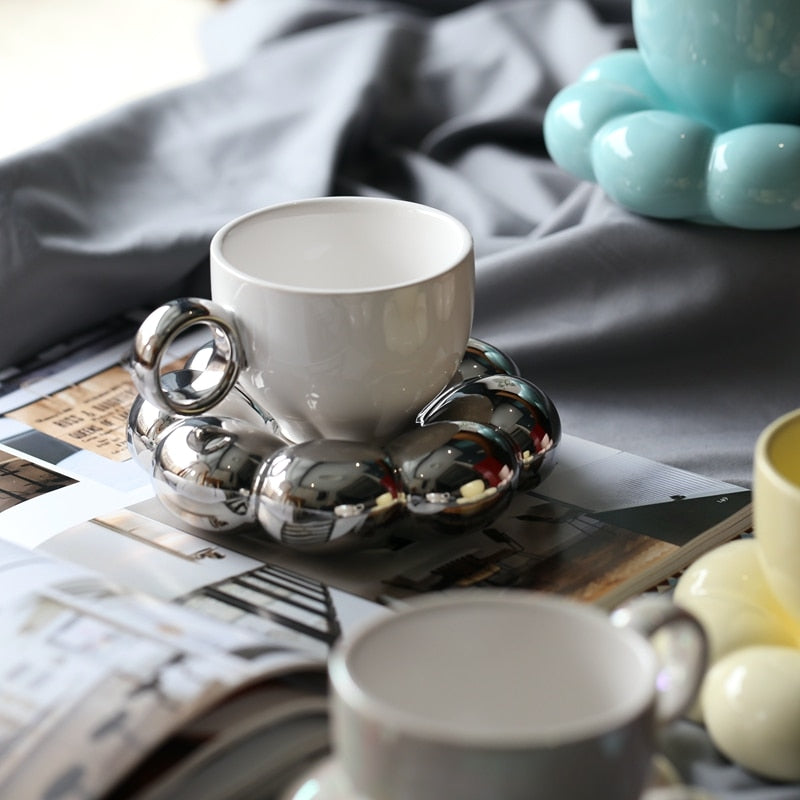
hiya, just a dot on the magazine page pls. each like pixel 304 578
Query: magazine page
pixel 285 606
pixel 63 406
pixel 94 677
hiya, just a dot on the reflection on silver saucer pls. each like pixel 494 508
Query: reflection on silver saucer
pixel 324 490
pixel 204 468
pixel 456 471
pixel 508 402
pixel 486 435
pixel 148 423
pixel 481 358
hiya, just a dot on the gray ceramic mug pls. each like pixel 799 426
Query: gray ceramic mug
pixel 512 695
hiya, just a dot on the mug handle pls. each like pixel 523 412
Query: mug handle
pixel 153 339
pixel 680 643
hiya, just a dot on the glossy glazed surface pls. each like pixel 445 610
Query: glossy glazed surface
pixel 727 62
pixel 751 702
pixel 342 316
pixel 700 123
pixel 727 590
pixel 615 127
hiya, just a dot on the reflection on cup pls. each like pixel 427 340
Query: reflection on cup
pixel 339 317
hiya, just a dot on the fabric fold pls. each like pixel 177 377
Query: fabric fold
pixel 673 340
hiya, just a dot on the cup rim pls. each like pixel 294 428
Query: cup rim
pixel 763 460
pixel 462 254
pixel 380 714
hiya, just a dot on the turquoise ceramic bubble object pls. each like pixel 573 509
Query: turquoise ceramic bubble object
pixel 701 122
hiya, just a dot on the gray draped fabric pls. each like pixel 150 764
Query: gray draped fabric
pixel 675 341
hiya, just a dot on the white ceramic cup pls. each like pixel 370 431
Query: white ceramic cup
pixel 512 695
pixel 341 317
pixel 776 507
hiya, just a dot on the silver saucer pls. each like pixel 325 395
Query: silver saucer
pixel 488 434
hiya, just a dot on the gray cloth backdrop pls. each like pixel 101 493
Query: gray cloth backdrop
pixel 675 341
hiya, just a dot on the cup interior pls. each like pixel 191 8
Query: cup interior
pixel 783 450
pixel 342 244
pixel 516 671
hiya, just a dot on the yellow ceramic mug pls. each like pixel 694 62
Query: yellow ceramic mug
pixel 747 596
pixel 776 507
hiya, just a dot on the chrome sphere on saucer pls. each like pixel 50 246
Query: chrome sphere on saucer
pixel 512 404
pixel 456 473
pixel 324 491
pixel 204 469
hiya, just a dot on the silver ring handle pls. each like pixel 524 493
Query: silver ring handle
pixel 153 339
pixel 681 646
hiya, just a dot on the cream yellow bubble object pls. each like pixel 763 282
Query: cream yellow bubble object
pixel 751 704
pixel 727 591
pixel 746 596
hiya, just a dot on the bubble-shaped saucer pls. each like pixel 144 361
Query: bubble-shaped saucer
pixel 486 435
pixel 617 127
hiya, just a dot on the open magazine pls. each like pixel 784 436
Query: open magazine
pixel 143 659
